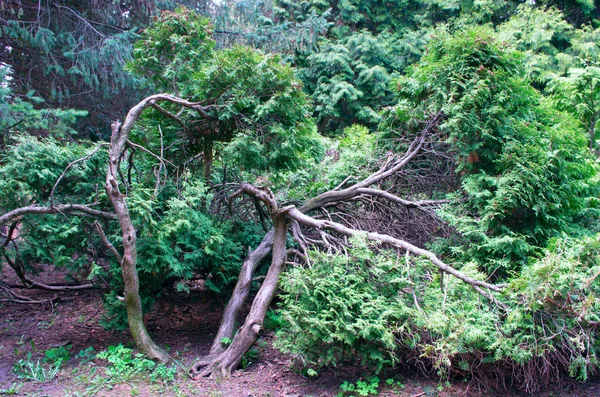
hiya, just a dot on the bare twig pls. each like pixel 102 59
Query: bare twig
pixel 398 200
pixel 106 242
pixel 84 158
pixel 161 164
pixel 143 149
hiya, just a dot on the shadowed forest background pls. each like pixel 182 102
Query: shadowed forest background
pixel 383 191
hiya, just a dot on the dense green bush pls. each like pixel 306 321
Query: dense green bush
pixel 379 309
pixel 52 239
pixel 524 166
pixel 526 180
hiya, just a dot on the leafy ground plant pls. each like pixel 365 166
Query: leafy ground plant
pixel 36 370
pixel 367 387
pixel 12 390
pixel 57 355
pixel 124 364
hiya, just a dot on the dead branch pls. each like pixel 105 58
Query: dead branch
pixel 46 287
pixel 240 292
pixel 170 115
pixel 299 236
pixel 161 164
pixel 17 298
pixel 263 194
pixel 388 169
pixel 55 209
pixel 398 200
pixel 156 156
pixel 106 242
pixel 306 220
pixel 17 266
pixel 9 234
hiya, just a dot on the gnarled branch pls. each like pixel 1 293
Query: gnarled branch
pixel 55 209
pixel 306 220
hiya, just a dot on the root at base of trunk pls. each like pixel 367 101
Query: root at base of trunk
pixel 213 366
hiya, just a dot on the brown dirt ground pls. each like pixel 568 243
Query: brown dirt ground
pixel 185 323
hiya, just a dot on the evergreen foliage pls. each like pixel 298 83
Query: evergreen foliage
pixel 49 239
pixel 24 114
pixel 523 165
pixel 254 104
pixel 517 85
pixel 72 54
pixel 377 309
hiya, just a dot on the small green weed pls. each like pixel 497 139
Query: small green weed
pixel 57 355
pixel 394 384
pixel 87 355
pixel 163 373
pixel 368 387
pixel 28 369
pixel 12 390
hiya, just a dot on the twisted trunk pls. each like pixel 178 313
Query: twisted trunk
pixel 240 293
pixel 133 302
pixel 226 361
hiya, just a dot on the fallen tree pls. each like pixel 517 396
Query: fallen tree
pixel 224 359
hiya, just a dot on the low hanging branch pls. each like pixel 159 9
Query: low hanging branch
pixel 308 221
pixel 55 209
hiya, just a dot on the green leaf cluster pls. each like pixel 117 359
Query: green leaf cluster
pixel 523 165
pixel 378 309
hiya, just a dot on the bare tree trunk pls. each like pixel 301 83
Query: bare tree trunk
pixel 240 293
pixel 133 301
pixel 227 361
pixel 118 142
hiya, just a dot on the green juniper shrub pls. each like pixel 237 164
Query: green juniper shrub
pixel 523 165
pixel 526 181
pixel 376 309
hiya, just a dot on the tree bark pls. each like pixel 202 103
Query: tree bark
pixel 240 293
pixel 207 160
pixel 133 302
pixel 54 209
pixel 227 361
pixel 118 142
